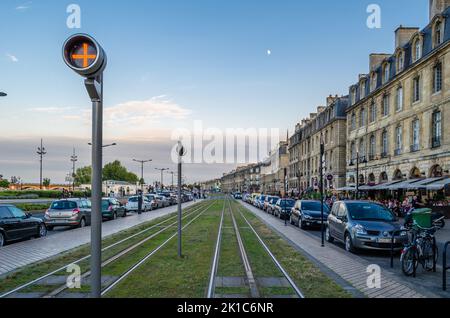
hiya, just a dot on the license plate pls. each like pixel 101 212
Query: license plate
pixel 385 240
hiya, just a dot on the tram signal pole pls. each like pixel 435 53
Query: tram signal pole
pixel 181 151
pixel 74 159
pixel 141 197
pixel 84 55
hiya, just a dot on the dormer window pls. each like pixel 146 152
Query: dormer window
pixel 353 95
pixel 437 34
pixel 417 50
pixel 400 61
pixel 363 89
pixel 373 82
pixel 386 73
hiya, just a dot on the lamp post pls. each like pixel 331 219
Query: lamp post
pixel 105 146
pixel 84 55
pixel 41 152
pixel 142 162
pixel 3 94
pixel 172 173
pixel 162 176
pixel 322 224
pixel 73 159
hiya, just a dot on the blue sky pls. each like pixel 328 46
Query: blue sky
pixel 203 59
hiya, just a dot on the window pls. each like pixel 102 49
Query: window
pixel 415 135
pixel 373 82
pixel 373 113
pixel 384 144
pixel 4 213
pixel 363 89
pixel 386 73
pixel 437 129
pixel 417 50
pixel 416 89
pixel 362 150
pixel 398 140
pixel 400 61
pixel 437 33
pixel 353 95
pixel 353 121
pixel 372 147
pixel 386 105
pixel 399 103
pixel 362 118
pixel 352 153
pixel 437 78
pixel 17 213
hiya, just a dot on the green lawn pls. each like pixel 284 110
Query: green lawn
pixel 31 272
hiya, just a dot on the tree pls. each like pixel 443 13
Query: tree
pixel 46 182
pixel 4 183
pixel 83 175
pixel 115 171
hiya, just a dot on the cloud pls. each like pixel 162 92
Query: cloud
pixel 12 58
pixel 25 6
pixel 51 110
pixel 145 112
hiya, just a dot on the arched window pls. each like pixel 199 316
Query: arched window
pixel 400 61
pixel 415 173
pixel 383 177
pixel 437 35
pixel 373 81
pixel 417 47
pixel 362 117
pixel 373 112
pixel 436 172
pixel 398 175
pixel 362 90
pixel 415 128
pixel 384 144
pixel 399 99
pixel 398 140
pixel 362 150
pixel 386 73
pixel 437 78
pixel 371 179
pixel 436 125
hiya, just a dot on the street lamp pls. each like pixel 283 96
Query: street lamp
pixel 322 225
pixel 3 94
pixel 73 159
pixel 172 173
pixel 41 152
pixel 142 162
pixel 105 146
pixel 162 175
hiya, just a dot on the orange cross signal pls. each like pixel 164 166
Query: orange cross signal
pixel 85 56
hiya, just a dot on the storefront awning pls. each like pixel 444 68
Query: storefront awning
pixel 346 189
pixel 384 186
pixel 403 185
pixel 422 184
pixel 438 185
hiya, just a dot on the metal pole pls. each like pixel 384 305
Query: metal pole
pixel 179 210
pixel 322 228
pixel 96 214
pixel 74 159
pixel 41 152
pixel 357 175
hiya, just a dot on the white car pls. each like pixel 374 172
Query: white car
pixel 133 203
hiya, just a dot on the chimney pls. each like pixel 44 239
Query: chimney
pixel 331 99
pixel 376 59
pixel 403 35
pixel 437 7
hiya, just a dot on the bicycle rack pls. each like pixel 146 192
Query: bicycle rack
pixel 445 268
pixel 393 244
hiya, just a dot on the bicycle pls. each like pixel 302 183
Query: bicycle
pixel 422 250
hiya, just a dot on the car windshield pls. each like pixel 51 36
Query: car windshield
pixel 287 203
pixel 314 206
pixel 150 197
pixel 64 205
pixel 369 212
pixel 133 200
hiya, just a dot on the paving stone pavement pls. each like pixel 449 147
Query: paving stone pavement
pixel 350 267
pixel 15 256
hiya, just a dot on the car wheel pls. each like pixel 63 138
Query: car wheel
pixel 328 236
pixel 42 231
pixel 302 223
pixel 349 244
pixel 2 240
pixel 82 223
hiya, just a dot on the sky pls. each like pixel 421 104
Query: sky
pixel 228 63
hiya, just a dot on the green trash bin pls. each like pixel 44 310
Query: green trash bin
pixel 423 218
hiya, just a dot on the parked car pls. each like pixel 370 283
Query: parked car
pixel 161 201
pixel 269 203
pixel 151 198
pixel 260 201
pixel 237 196
pixel 364 225
pixel 112 208
pixel 133 204
pixel 17 225
pixel 68 212
pixel 307 213
pixel 282 208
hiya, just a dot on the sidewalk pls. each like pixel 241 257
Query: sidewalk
pixel 15 256
pixel 349 267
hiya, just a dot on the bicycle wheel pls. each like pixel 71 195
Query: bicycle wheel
pixel 409 261
pixel 428 256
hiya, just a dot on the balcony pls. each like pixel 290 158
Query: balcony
pixel 372 157
pixel 436 142
pixel 415 148
pixel 384 155
pixel 398 152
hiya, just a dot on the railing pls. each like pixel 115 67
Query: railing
pixel 445 268
pixel 398 152
pixel 414 148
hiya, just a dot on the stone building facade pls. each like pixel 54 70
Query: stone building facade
pixel 397 112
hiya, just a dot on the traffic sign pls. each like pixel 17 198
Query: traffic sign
pixel 84 55
pixel 330 177
pixel 181 150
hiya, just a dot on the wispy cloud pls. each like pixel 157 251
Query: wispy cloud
pixel 24 6
pixel 12 58
pixel 51 110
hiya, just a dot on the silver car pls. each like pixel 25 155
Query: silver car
pixel 364 225
pixel 68 212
